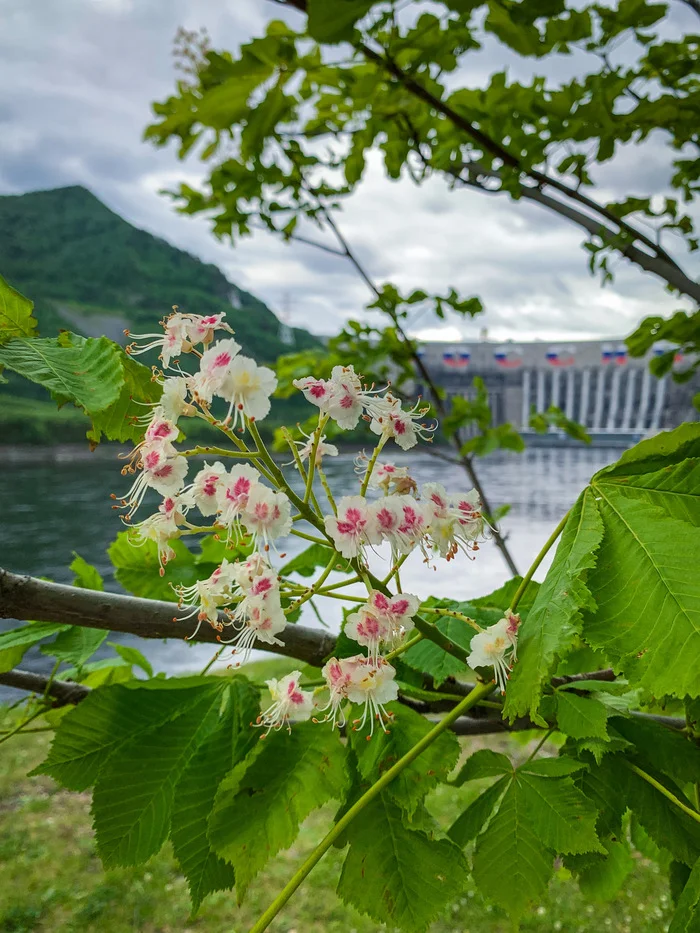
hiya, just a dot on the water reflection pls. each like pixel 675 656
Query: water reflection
pixel 57 501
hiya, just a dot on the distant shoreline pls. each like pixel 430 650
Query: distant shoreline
pixel 72 452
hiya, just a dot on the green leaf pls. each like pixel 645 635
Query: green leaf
pixel 88 374
pixel 674 753
pixel 503 596
pixel 100 673
pixel 511 866
pixel 76 644
pixel 213 549
pixel 540 814
pixel 138 570
pixel 645 845
pixel 562 816
pixel 258 809
pixel 106 719
pixel 481 764
pixel 555 417
pixel 603 877
pixel 555 618
pixel 86 576
pixel 120 420
pixel 648 615
pixel 307 563
pixel 377 755
pixel 601 785
pixel 656 453
pixel 398 875
pixel 332 21
pixel 678 875
pixel 581 717
pixel 16 318
pixel 469 824
pixel 686 919
pixel 15 643
pixel 552 767
pixel 133 657
pixel 667 825
pixel 429 658
pixel 196 791
pixel 134 792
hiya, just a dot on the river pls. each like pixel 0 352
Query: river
pixel 55 501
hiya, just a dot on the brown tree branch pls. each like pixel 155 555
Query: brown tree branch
pixel 24 597
pixel 63 691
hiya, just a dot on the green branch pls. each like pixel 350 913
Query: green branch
pixel 519 593
pixel 479 692
pixel 665 791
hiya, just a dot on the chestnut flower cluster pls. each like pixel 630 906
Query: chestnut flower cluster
pixel 250 503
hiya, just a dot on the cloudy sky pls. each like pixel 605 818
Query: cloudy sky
pixel 76 81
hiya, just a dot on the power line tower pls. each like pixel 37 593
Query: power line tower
pixel 285 333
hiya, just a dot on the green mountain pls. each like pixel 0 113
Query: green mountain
pixel 88 270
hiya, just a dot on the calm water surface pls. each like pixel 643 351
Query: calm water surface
pixel 56 501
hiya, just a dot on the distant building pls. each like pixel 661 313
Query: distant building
pixel 594 382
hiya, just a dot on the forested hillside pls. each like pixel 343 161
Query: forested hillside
pixel 90 271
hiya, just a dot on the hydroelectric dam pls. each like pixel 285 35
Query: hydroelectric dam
pixel 595 382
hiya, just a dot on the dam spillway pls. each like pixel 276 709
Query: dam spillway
pixel 595 382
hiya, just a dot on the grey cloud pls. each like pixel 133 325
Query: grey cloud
pixel 83 73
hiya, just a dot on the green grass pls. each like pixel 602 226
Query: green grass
pixel 52 879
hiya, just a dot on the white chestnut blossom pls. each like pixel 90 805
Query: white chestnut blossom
pixel 383 620
pixel 401 521
pixel 214 368
pixel 373 686
pixel 161 469
pixel 162 528
pixel 232 493
pixel 346 402
pixel 161 429
pixel 366 681
pixel 208 596
pixel 203 491
pixel 247 572
pixel 257 618
pixel 338 674
pixel 267 514
pixel 180 333
pixel 369 630
pixel 386 474
pixel 171 342
pixel 173 402
pixel 323 449
pixel 353 527
pixel 397 611
pixel 243 600
pixel 316 391
pixel 496 647
pixel 389 420
pixel 201 329
pixel 247 388
pixel 289 702
pixel 466 507
pixel 455 520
